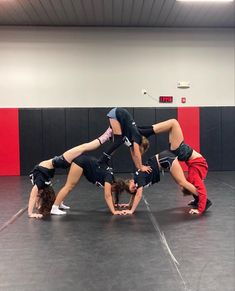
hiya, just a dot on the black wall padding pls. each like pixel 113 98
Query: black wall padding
pixel 146 117
pixel 228 138
pixel 97 124
pixel 211 138
pixel 76 126
pixel 54 136
pixel 47 132
pixel 163 114
pixel 54 141
pixel 31 139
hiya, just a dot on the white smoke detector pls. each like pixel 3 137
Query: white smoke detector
pixel 183 85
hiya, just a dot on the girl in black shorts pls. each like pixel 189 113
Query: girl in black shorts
pixel 165 160
pixel 125 131
pixel 96 173
pixel 42 194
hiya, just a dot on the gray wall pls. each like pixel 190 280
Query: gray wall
pixel 94 67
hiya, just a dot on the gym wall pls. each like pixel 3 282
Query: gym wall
pixel 56 84
pixel 32 135
pixel 108 67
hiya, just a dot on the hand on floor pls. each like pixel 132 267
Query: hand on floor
pixel 127 212
pixel 118 212
pixel 35 215
pixel 194 211
pixel 123 205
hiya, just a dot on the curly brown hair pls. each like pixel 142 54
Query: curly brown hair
pixel 47 198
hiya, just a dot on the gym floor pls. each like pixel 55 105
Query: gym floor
pixel 159 248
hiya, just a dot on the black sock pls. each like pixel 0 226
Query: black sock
pixel 196 198
pixel 146 131
pixel 106 156
pixel 118 140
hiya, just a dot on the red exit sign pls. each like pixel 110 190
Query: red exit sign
pixel 165 99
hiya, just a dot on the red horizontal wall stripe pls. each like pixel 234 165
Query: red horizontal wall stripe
pixel 189 119
pixel 9 142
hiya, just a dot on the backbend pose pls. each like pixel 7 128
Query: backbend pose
pixel 125 131
pixel 96 173
pixel 197 165
pixel 42 195
pixel 165 160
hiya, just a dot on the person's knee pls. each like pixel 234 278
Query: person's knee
pixel 174 122
pixel 166 125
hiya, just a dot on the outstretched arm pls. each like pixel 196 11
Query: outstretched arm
pixel 202 195
pixel 137 159
pixel 136 201
pixel 127 205
pixel 32 201
pixel 178 175
pixel 109 199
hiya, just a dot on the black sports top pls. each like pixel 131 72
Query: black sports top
pixel 128 126
pixel 41 176
pixel 144 179
pixel 93 171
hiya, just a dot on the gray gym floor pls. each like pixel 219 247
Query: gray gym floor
pixel 159 248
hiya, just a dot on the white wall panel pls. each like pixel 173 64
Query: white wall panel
pixel 59 67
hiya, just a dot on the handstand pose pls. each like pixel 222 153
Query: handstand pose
pixel 42 195
pixel 125 131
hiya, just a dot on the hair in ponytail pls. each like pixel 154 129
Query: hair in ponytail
pixel 144 146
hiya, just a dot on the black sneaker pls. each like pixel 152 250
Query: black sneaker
pixel 208 204
pixel 193 203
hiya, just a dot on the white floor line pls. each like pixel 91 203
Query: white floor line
pixel 13 218
pixel 165 244
pixel 228 185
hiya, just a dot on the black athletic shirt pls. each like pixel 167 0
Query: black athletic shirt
pixel 41 176
pixel 128 126
pixel 94 172
pixel 144 179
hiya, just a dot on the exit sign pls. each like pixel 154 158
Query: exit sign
pixel 165 99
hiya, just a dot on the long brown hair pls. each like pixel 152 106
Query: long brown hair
pixel 47 198
pixel 144 146
pixel 119 186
